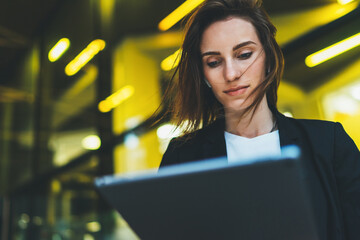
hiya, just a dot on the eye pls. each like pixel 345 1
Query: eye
pixel 213 64
pixel 245 55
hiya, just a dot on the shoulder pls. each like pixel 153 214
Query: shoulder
pixel 212 130
pixel 297 126
pixel 193 139
pixel 319 134
pixel 322 134
pixel 323 129
pixel 189 147
pixel 314 126
pixel 312 123
pixel 199 134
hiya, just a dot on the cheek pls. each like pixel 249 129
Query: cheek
pixel 258 72
pixel 207 76
pixel 217 91
pixel 207 72
pixel 213 76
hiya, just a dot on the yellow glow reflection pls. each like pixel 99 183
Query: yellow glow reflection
pixel 55 186
pixel 178 14
pixel 93 226
pixel 171 61
pixel 355 92
pixel 332 51
pixel 84 57
pixel 116 99
pixel 343 2
pixel 168 131
pixel 107 8
pixel 59 49
pixel 288 114
pixel 91 142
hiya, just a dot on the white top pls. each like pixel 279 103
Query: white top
pixel 244 149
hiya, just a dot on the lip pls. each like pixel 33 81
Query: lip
pixel 236 90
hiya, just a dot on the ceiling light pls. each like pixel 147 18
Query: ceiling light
pixel 116 99
pixel 171 61
pixel 84 57
pixel 59 49
pixel 332 51
pixel 178 14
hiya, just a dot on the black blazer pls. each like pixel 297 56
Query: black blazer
pixel 330 159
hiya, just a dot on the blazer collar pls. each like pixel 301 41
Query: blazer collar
pixel 287 131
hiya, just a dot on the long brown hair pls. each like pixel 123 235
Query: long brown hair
pixel 191 101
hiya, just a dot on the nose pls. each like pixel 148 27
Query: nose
pixel 232 72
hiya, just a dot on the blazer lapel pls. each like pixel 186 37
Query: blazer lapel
pixel 287 133
pixel 214 143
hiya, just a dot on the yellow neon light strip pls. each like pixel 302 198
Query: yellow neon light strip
pixel 116 99
pixel 344 2
pixel 178 14
pixel 171 61
pixel 59 49
pixel 332 51
pixel 84 57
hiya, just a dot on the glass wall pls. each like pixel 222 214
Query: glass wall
pixel 17 136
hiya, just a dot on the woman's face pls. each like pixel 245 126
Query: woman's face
pixel 233 61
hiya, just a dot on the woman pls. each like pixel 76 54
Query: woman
pixel 226 94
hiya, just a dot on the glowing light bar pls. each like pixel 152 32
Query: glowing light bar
pixel 343 2
pixel 84 57
pixel 332 51
pixel 116 99
pixel 171 61
pixel 59 49
pixel 178 14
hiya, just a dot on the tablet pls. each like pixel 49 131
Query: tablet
pixel 213 199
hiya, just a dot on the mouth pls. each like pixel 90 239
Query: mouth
pixel 236 90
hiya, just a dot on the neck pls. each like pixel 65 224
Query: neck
pixel 251 124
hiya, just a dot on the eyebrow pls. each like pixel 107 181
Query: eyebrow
pixel 240 45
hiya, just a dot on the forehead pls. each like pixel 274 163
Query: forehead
pixel 230 31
